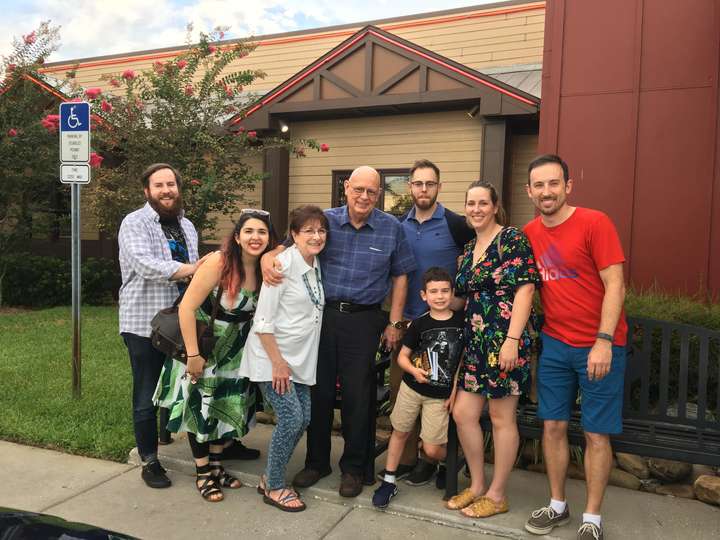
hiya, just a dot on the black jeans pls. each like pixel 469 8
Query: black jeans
pixel 348 343
pixel 146 362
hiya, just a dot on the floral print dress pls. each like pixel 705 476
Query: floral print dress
pixel 489 286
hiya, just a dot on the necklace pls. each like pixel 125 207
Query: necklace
pixel 317 300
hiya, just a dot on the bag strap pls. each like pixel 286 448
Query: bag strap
pixel 218 296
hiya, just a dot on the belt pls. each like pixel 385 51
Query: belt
pixel 350 307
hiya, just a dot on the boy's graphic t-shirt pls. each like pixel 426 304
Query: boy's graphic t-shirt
pixel 436 347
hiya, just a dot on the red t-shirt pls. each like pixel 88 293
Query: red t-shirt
pixel 569 258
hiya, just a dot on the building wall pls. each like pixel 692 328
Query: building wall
pixel 452 140
pixel 637 120
pixel 480 39
pixel 523 150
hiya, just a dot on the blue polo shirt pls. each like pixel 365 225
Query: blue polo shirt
pixel 433 245
pixel 357 263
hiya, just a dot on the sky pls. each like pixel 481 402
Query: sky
pixel 100 27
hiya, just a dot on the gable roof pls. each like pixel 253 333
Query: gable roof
pixel 374 71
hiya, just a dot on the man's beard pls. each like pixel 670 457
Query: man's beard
pixel 164 212
pixel 424 204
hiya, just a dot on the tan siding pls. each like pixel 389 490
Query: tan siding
pixel 450 139
pixel 481 42
pixel 524 149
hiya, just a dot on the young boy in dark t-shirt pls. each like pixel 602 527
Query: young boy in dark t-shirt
pixel 430 355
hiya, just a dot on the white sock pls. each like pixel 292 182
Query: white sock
pixel 389 478
pixel 558 506
pixel 592 518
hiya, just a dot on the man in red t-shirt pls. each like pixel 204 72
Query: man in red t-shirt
pixel 580 259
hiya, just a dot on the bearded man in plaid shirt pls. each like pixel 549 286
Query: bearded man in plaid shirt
pixel 158 255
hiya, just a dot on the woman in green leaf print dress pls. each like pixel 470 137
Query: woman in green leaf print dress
pixel 497 276
pixel 207 398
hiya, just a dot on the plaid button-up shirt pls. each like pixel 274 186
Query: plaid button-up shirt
pixel 147 266
pixel 357 263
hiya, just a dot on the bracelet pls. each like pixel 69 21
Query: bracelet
pixel 193 355
pixel 606 337
pixel 510 337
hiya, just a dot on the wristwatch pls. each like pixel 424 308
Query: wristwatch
pixel 606 337
pixel 400 325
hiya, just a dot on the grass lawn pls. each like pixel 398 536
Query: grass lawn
pixel 36 367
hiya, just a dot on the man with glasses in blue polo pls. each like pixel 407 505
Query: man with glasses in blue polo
pixel 437 237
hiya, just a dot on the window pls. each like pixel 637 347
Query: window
pixel 394 198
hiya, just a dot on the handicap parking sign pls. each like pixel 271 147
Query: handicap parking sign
pixel 75 132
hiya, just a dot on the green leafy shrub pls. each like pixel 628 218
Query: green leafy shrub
pixel 36 281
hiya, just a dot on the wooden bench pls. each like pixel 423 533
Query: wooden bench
pixel 671 406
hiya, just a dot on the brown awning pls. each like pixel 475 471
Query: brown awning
pixel 375 72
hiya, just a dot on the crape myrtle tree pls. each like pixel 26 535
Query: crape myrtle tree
pixel 31 197
pixel 176 112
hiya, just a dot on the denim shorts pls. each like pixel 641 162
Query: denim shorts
pixel 561 369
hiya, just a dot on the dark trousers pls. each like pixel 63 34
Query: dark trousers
pixel 348 343
pixel 146 362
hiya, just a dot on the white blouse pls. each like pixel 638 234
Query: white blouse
pixel 288 311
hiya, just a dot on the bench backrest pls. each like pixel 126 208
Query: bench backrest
pixel 672 374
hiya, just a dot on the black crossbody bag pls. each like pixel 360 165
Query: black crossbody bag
pixel 167 338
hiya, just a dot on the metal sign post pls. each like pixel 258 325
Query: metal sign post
pixel 74 170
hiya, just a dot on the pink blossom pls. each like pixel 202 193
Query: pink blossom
pixel 11 67
pixel 189 90
pixel 299 152
pixel 128 74
pixel 252 134
pixel 195 182
pixel 106 106
pixel 505 313
pixel 30 38
pixel 95 160
pixel 181 64
pixel 158 66
pixel 12 132
pixel 93 93
pixel 212 49
pixel 324 147
pixel 241 129
pixel 115 83
pixel 477 322
pixel 221 35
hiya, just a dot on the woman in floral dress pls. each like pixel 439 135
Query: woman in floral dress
pixel 497 276
pixel 208 398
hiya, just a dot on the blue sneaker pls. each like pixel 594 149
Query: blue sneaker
pixel 383 494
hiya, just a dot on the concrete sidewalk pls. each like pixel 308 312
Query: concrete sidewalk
pixel 112 495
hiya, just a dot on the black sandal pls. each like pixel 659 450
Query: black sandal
pixel 225 479
pixel 209 488
pixel 286 496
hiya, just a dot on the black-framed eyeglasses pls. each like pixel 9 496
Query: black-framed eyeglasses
pixel 419 184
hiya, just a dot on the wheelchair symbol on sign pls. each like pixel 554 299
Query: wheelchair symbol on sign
pixel 73 121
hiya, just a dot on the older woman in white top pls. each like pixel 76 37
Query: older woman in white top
pixel 282 348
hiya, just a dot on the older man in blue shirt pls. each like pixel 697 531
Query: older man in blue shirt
pixel 366 257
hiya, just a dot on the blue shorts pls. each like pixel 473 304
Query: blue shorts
pixel 561 369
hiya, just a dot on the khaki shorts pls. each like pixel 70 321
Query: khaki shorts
pixel 434 420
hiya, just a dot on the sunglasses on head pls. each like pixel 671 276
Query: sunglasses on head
pixel 258 213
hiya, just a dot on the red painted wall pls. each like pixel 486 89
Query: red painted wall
pixel 630 101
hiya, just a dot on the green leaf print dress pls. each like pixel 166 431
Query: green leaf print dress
pixel 221 405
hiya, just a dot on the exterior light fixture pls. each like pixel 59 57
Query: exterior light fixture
pixel 472 113
pixel 284 128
